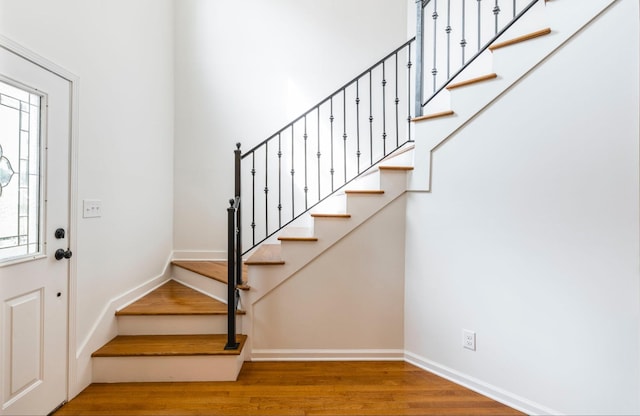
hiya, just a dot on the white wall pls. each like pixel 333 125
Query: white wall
pixel 530 236
pixel 244 70
pixel 122 52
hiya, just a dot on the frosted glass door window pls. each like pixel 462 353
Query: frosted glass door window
pixel 20 173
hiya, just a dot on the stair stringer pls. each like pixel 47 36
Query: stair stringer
pixel 296 255
pixel 324 309
pixel 329 231
pixel 511 64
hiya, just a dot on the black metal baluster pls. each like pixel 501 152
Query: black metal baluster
pixel 463 41
pixel 479 24
pixel 266 188
pixel 384 111
pixel 397 101
pixel 420 61
pixel 434 70
pixel 514 8
pixel 253 196
pixel 344 130
pixel 448 32
pixel 371 115
pixel 358 125
pixel 293 171
pixel 279 181
pixel 496 12
pixel 306 185
pixel 331 118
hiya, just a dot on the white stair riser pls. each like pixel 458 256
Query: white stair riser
pixel 362 206
pixel 167 369
pixel 175 324
pixel 331 228
pixel 392 181
pixel 369 180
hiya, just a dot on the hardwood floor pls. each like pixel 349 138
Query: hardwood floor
pixel 294 388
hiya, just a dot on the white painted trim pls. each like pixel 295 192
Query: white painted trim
pixel 199 255
pixel 326 355
pixel 505 397
pixel 74 81
pixel 105 327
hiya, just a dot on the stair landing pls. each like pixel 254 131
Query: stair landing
pixel 173 333
pixel 173 298
pixel 174 308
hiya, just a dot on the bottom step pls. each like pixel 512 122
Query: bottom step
pixel 168 358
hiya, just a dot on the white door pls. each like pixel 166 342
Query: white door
pixel 34 203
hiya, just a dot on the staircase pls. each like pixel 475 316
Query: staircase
pixel 176 332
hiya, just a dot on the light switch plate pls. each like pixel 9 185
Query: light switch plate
pixel 91 208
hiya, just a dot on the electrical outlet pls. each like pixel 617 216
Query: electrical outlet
pixel 469 339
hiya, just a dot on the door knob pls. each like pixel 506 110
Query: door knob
pixel 59 233
pixel 62 254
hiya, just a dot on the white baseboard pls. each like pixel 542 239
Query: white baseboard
pixel 479 386
pixel 326 355
pixel 199 255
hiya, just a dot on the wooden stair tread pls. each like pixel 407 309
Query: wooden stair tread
pixel 519 39
pixel 330 215
pixel 168 345
pixel 265 255
pixel 405 168
pixel 472 81
pixel 173 298
pixel 434 116
pixel 364 191
pixel 216 270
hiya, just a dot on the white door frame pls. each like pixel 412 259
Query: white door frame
pixel 11 46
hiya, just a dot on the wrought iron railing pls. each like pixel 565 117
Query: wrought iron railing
pixel 354 128
pixel 327 146
pixel 471 24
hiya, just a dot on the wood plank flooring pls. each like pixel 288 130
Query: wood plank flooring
pixel 294 388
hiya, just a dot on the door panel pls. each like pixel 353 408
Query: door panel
pixel 24 324
pixel 33 284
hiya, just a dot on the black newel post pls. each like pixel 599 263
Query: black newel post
pixel 238 248
pixel 231 287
